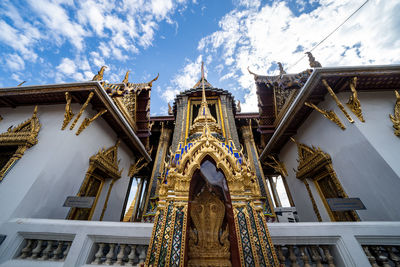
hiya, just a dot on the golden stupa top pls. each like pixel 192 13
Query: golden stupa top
pixel 204 118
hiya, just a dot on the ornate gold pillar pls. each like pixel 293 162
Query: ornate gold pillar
pixel 253 156
pixel 158 168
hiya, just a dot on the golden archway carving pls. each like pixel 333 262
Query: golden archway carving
pixel 23 137
pixel 240 178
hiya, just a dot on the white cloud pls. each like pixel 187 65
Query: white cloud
pixel 261 35
pixel 56 18
pixel 77 69
pixel 185 79
pixel 15 62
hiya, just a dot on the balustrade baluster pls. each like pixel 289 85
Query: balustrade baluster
pixel 110 255
pixel 65 253
pixel 370 257
pixel 36 251
pixel 392 255
pixel 99 254
pixel 131 256
pixel 316 256
pixel 293 257
pixel 304 256
pixel 57 251
pixel 121 254
pixel 328 256
pixel 46 251
pixel 382 258
pixel 26 250
pixel 142 254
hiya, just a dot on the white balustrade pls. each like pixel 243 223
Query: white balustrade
pixel 41 242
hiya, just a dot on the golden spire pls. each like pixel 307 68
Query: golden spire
pixel 204 120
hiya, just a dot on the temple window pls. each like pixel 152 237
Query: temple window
pixel 315 166
pixel 15 141
pixel 103 166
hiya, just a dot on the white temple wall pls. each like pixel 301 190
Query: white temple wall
pixel 362 167
pixel 55 167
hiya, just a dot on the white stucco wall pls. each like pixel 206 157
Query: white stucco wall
pixel 55 167
pixel 363 156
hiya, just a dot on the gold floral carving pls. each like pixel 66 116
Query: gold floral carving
pixel 68 115
pixel 81 110
pixel 87 121
pixel 396 117
pixel 278 166
pixel 207 247
pixel 329 114
pixel 23 136
pixel 354 103
pixel 338 103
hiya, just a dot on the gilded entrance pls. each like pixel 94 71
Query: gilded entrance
pixel 209 221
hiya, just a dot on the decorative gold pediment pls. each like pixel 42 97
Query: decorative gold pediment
pixel 24 134
pixel 238 172
pixel 311 159
pixel 107 161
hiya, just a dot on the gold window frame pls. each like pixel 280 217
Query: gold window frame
pixel 105 161
pixel 23 136
pixel 315 165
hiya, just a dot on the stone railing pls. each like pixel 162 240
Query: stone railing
pixel 41 242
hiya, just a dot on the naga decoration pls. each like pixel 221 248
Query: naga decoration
pixel 68 115
pixel 354 103
pixel 338 103
pixel 99 75
pixel 313 62
pixel 329 114
pixel 396 117
pixel 81 110
pixel 87 121
pixel 278 166
pixel 135 168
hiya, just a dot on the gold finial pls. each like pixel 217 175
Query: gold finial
pixel 99 75
pixel 126 79
pixel 155 79
pixel 313 62
pixel 21 83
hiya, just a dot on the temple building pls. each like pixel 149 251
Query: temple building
pixel 312 178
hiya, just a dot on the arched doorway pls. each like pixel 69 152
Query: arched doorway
pixel 211 238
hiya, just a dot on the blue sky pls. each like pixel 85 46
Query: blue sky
pixel 49 41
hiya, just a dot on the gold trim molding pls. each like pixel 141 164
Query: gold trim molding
pixel 396 117
pixel 23 136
